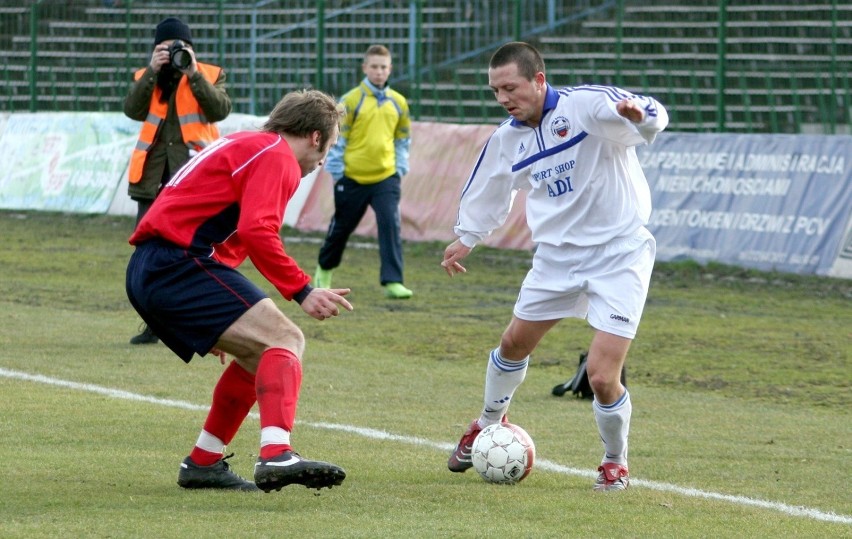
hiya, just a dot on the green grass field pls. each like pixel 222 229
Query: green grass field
pixel 740 383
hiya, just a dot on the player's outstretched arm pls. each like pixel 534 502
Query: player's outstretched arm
pixel 324 303
pixel 455 252
pixel 627 108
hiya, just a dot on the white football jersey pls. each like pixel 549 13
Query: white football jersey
pixel 579 167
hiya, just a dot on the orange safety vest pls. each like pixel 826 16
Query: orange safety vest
pixel 197 132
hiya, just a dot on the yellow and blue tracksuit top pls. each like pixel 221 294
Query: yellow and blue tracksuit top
pixel 375 135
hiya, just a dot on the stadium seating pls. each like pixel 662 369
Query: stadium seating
pixel 785 69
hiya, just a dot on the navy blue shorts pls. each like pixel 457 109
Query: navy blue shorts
pixel 187 300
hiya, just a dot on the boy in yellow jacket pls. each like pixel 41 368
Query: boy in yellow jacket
pixel 367 166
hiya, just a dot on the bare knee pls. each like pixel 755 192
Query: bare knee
pixel 606 359
pixel 262 327
pixel 522 336
pixel 511 349
pixel 607 389
pixel 281 332
pixel 291 338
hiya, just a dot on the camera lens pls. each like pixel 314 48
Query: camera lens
pixel 179 55
pixel 181 59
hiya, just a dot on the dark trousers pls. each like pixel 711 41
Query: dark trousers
pixel 350 203
pixel 143 205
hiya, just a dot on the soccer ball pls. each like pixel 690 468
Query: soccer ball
pixel 503 453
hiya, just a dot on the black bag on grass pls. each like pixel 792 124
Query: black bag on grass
pixel 578 385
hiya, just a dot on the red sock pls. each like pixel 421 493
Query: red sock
pixel 202 457
pixel 277 383
pixel 233 398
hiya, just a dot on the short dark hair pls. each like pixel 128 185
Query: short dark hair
pixel 302 112
pixel 376 50
pixel 524 55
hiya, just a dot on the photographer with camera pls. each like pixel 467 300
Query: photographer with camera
pixel 177 99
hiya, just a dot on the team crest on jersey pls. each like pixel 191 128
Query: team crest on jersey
pixel 560 127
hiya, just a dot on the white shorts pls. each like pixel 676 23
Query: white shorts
pixel 606 284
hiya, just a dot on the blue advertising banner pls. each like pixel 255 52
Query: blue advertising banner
pixel 769 202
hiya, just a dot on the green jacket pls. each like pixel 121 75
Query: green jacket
pixel 169 149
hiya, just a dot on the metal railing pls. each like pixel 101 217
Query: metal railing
pixel 758 66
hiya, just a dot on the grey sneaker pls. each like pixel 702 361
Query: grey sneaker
pixel 290 468
pixel 612 477
pixel 217 475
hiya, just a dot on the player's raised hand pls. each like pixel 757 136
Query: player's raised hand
pixel 455 252
pixel 324 303
pixel 627 108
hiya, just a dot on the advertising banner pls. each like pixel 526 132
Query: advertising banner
pixel 769 202
pixel 68 162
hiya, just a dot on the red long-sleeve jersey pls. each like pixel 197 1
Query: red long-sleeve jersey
pixel 228 202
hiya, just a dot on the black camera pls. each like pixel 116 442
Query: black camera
pixel 179 55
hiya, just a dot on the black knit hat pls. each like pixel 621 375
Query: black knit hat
pixel 172 28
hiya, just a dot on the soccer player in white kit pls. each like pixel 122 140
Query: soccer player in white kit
pixel 573 151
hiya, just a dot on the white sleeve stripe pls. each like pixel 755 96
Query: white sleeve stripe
pixel 255 156
pixel 190 165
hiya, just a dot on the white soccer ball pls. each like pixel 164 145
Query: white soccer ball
pixel 503 453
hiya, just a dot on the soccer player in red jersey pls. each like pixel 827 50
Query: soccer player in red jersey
pixel 227 203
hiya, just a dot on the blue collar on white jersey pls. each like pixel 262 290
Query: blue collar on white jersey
pixel 551 97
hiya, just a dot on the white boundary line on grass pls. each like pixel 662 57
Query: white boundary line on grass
pixel 796 511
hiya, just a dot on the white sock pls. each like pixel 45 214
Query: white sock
pixel 208 442
pixel 274 435
pixel 614 426
pixel 502 378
